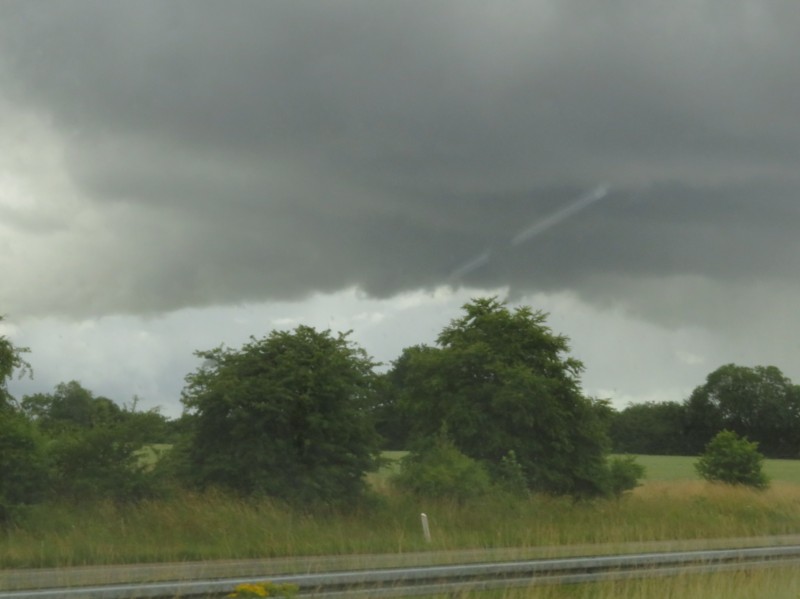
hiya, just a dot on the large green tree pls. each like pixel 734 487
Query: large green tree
pixel 22 463
pixel 500 381
pixel 650 428
pixel 759 403
pixel 287 416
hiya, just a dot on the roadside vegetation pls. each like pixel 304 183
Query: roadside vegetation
pixel 212 525
pixel 775 583
pixel 294 445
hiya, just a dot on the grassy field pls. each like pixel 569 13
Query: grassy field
pixel 672 508
pixel 659 468
pixel 216 526
pixel 669 468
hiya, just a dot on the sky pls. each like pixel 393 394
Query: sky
pixel 179 175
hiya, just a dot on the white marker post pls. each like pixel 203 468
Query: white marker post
pixel 426 531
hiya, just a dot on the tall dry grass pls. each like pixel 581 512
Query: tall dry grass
pixel 218 526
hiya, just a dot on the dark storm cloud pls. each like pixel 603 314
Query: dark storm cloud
pixel 251 150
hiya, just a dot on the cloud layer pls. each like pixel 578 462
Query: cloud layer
pixel 159 156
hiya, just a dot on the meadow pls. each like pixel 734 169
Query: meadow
pixel 674 468
pixel 672 509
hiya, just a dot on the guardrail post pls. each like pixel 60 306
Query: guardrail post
pixel 426 531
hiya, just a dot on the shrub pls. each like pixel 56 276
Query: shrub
pixel 732 460
pixel 439 470
pixel 624 475
pixel 100 462
pixel 510 476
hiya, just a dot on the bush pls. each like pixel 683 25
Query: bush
pixel 440 471
pixel 100 462
pixel 509 475
pixel 732 460
pixel 624 475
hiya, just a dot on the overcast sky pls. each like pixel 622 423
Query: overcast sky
pixel 176 175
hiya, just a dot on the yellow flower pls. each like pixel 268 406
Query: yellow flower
pixel 250 590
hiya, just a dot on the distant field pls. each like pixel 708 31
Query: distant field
pixel 660 468
pixel 668 468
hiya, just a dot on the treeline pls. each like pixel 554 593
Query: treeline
pixel 303 415
pixel 70 445
pixel 758 403
pixel 495 405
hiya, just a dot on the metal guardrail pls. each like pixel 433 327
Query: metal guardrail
pixel 396 582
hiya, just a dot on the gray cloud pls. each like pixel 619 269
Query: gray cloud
pixel 248 151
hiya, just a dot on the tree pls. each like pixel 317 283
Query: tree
pixel 759 403
pixel 10 360
pixel 732 460
pixel 71 406
pixel 94 444
pixel 286 416
pixel 22 465
pixel 499 382
pixel 390 420
pixel 650 428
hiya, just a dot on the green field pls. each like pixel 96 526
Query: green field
pixel 660 468
pixel 675 468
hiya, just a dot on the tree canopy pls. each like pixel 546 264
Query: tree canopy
pixel 650 428
pixel 759 403
pixel 22 464
pixel 10 361
pixel 287 416
pixel 501 382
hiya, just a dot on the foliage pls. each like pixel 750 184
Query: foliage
pixel 499 381
pixel 100 462
pixel 72 407
pixel 509 475
pixel 22 465
pixel 438 470
pixel 732 460
pixel 624 475
pixel 759 403
pixel 391 422
pixel 93 444
pixel 23 469
pixel 10 360
pixel 286 416
pixel 649 428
